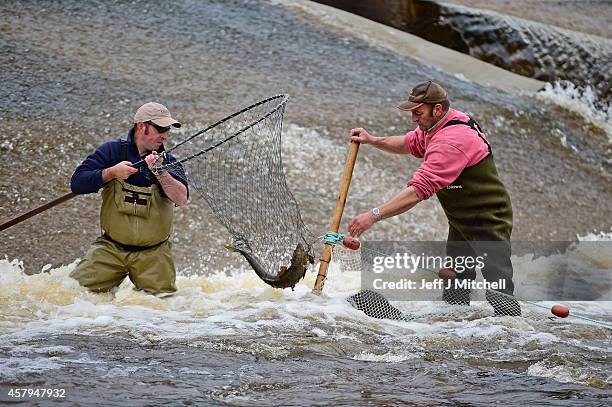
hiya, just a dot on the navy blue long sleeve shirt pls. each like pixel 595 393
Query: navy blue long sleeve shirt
pixel 87 177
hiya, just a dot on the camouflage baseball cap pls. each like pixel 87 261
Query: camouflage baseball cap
pixel 426 92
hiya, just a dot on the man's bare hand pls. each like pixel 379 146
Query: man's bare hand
pixel 361 136
pixel 154 160
pixel 361 223
pixel 120 171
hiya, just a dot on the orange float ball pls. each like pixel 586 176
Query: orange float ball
pixel 351 243
pixel 560 310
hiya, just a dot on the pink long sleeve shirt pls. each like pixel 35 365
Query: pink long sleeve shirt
pixel 447 152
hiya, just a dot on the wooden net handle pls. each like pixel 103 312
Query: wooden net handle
pixel 337 216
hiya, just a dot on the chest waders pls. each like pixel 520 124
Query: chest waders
pixel 138 218
pixel 136 224
pixel 479 214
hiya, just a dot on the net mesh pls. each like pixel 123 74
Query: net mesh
pixel 236 166
pixel 467 304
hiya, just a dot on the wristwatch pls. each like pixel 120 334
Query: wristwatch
pixel 377 215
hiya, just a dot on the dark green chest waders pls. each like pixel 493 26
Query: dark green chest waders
pixel 479 214
pixel 477 204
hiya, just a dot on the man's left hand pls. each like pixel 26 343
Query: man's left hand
pixel 361 223
pixel 150 160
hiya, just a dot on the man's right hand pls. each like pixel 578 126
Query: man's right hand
pixel 361 136
pixel 120 171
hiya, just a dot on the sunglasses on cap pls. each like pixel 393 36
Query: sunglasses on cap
pixel 159 129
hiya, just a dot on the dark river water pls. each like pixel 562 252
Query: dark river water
pixel 72 75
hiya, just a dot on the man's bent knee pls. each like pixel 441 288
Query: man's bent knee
pixel 153 270
pixel 90 278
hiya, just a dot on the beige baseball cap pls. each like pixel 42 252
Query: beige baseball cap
pixel 426 92
pixel 156 113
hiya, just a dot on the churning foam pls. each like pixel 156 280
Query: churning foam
pixel 569 96
pixel 238 304
pixel 215 304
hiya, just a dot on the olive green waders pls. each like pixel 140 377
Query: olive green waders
pixel 479 214
pixel 136 225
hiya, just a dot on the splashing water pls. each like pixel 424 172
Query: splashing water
pixel 573 98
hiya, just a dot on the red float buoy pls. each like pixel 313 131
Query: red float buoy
pixel 351 243
pixel 559 310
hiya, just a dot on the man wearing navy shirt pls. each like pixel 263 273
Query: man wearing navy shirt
pixel 137 207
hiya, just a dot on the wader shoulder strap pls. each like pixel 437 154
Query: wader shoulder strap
pixel 124 149
pixel 474 126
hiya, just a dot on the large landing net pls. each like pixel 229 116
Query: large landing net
pixel 236 165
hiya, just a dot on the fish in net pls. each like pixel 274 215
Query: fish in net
pixel 235 164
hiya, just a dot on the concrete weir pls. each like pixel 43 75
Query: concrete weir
pixel 412 46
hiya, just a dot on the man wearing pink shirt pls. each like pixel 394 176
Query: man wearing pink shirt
pixel 458 167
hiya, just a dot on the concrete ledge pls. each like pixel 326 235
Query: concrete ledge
pixel 412 46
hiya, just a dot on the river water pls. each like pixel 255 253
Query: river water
pixel 72 75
